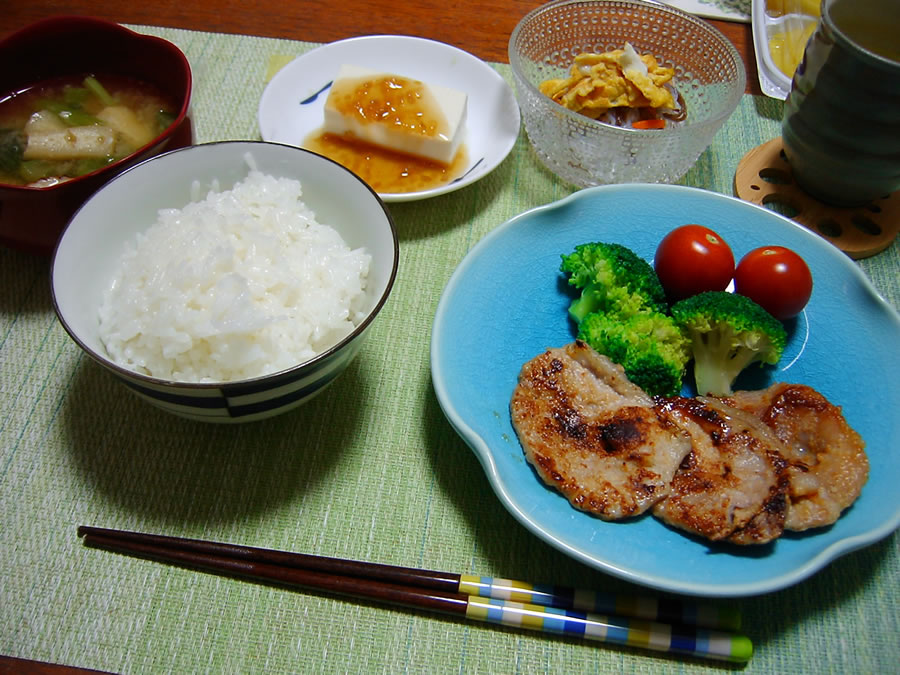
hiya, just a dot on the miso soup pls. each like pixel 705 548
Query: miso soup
pixel 64 128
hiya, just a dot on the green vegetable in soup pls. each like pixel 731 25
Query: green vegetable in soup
pixel 12 145
pixel 75 97
pixel 99 90
pixel 70 115
pixel 83 166
pixel 164 119
pixel 37 169
pixel 32 170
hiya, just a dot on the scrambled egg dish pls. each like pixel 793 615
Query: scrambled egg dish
pixel 620 78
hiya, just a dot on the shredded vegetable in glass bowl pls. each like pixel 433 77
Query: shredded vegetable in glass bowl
pixel 616 91
pixel 622 88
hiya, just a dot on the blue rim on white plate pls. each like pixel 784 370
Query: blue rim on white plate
pixel 292 104
pixel 507 302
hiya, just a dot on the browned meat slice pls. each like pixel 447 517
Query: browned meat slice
pixel 740 469
pixel 732 484
pixel 592 434
pixel 827 460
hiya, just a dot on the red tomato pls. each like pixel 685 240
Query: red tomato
pixel 692 259
pixel 776 278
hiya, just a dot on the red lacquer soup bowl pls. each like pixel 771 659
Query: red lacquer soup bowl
pixel 32 217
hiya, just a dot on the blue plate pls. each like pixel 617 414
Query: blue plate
pixel 507 302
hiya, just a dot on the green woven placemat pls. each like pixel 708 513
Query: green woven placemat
pixel 370 470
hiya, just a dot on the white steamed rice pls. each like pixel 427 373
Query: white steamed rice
pixel 238 284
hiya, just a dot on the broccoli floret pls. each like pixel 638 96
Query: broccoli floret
pixel 648 345
pixel 602 298
pixel 728 332
pixel 612 277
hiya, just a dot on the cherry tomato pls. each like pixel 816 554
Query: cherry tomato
pixel 776 278
pixel 692 259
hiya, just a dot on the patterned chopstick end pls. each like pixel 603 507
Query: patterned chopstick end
pixel 664 610
pixel 630 632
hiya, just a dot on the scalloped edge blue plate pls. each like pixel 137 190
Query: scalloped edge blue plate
pixel 506 303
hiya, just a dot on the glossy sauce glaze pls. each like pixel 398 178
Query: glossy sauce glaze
pixel 384 170
pixel 398 102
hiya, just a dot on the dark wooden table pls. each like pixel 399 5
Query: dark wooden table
pixel 482 28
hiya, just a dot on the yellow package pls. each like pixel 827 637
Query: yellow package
pixel 797 19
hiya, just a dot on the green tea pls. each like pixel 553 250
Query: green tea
pixel 872 24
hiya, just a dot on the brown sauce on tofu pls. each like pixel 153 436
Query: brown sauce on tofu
pixel 402 103
pixel 384 170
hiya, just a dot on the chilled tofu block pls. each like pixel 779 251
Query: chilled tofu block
pixel 397 113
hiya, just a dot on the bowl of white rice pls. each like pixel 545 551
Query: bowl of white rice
pixel 228 281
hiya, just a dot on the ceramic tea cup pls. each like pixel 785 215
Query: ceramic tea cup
pixel 841 122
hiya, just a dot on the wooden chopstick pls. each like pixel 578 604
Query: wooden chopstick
pixel 563 597
pixel 431 590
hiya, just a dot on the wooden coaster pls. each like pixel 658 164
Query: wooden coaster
pixel 764 177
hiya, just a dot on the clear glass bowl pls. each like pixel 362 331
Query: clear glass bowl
pixel 709 73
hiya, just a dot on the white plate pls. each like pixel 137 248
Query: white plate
pixel 292 104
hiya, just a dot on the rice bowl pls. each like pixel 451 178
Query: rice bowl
pixel 238 284
pixel 128 207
